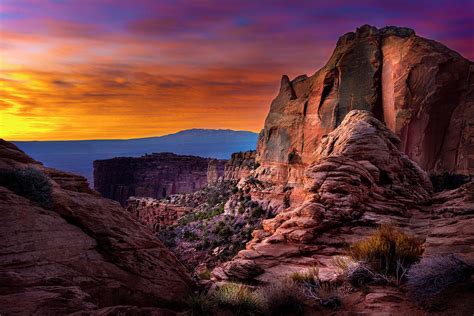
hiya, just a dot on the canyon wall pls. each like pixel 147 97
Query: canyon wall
pixel 155 175
pixel 154 213
pixel 422 91
pixel 215 170
pixel 240 165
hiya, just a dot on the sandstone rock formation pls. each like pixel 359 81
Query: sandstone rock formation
pixel 360 179
pixel 422 91
pixel 155 175
pixel 215 170
pixel 155 213
pixel 81 254
pixel 240 165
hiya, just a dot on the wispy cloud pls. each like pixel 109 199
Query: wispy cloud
pixel 119 69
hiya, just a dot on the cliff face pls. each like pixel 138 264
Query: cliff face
pixel 420 89
pixel 156 175
pixel 155 213
pixel 240 165
pixel 80 253
pixel 215 170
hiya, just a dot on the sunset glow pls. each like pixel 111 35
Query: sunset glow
pixel 123 69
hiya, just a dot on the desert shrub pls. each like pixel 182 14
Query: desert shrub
pixel 311 276
pixel 256 165
pixel 427 279
pixel 448 181
pixel 359 274
pixel 258 211
pixel 29 183
pixel 235 190
pixel 205 275
pixel 225 232
pixel 292 156
pixel 326 293
pixel 388 251
pixel 254 181
pixel 167 237
pixel 282 298
pixel 201 304
pixel 189 235
pixel 239 298
pixel 286 201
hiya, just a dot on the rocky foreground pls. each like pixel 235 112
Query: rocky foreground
pixel 76 251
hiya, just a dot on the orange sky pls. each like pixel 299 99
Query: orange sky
pixel 108 69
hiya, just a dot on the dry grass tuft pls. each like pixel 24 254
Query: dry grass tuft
pixel 239 298
pixel 388 251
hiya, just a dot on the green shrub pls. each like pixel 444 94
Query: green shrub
pixel 293 157
pixel 201 304
pixel 189 235
pixel 167 237
pixel 258 211
pixel 29 183
pixel 239 298
pixel 388 251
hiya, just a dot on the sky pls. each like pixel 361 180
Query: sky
pixel 108 69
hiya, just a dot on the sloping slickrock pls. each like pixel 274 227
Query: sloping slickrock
pixel 360 180
pixel 82 254
pixel 450 229
pixel 423 92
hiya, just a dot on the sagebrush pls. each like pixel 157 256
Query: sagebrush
pixel 29 183
pixel 427 279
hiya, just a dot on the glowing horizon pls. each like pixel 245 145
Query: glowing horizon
pixel 82 70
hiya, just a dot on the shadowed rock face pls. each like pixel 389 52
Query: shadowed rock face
pixel 83 253
pixel 156 175
pixel 419 88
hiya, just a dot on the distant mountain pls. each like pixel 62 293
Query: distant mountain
pixel 77 156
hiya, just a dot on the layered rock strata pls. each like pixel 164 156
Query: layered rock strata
pixel 215 171
pixel 240 165
pixel 155 175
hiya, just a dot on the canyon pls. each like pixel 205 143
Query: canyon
pixel 154 175
pixel 353 147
